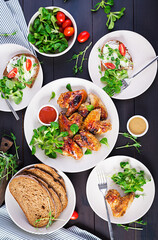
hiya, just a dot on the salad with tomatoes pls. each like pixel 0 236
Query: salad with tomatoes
pixel 51 31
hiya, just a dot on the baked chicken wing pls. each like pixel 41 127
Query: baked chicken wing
pixel 83 111
pixel 65 123
pixel 97 103
pixel 117 203
pixel 88 140
pixel 93 124
pixel 72 100
pixel 71 148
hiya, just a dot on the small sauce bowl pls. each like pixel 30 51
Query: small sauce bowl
pixel 47 114
pixel 137 126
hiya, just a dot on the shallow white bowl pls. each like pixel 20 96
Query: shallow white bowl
pixel 71 41
pixel 142 134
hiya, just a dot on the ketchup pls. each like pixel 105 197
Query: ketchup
pixel 47 114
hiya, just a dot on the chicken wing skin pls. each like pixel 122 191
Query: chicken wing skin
pixel 117 203
pixel 88 140
pixel 97 103
pixel 83 111
pixel 93 124
pixel 65 123
pixel 72 100
pixel 71 149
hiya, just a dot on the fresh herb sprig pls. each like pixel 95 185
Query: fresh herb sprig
pixel 8 34
pixel 49 139
pixel 52 96
pixel 103 4
pixel 68 86
pixel 130 180
pixel 8 162
pixel 136 144
pixel 127 227
pixel 79 68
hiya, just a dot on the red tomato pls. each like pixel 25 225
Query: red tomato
pixel 59 23
pixel 68 31
pixel 74 216
pixel 28 64
pixel 12 73
pixel 110 65
pixel 67 23
pixel 61 29
pixel 122 49
pixel 83 36
pixel 60 17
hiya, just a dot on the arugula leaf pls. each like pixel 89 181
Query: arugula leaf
pixel 68 86
pixel 89 107
pixel 104 141
pixel 74 128
pixel 88 151
pixel 52 96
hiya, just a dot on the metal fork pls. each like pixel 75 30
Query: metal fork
pixel 126 82
pixel 102 185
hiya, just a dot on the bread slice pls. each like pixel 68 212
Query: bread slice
pixel 36 68
pixel 33 198
pixel 103 68
pixel 52 172
pixel 49 179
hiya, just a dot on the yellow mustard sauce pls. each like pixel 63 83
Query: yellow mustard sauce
pixel 137 125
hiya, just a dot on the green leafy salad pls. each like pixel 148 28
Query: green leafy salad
pixel 130 180
pixel 45 34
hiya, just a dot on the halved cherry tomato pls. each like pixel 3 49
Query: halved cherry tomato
pixel 67 23
pixel 122 49
pixel 83 36
pixel 28 64
pixel 60 17
pixel 68 31
pixel 12 73
pixel 74 216
pixel 110 65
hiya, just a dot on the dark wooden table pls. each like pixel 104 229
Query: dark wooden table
pixel 140 16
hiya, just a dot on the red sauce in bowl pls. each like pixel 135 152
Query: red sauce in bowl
pixel 47 114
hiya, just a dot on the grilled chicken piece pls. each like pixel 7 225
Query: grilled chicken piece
pixel 117 203
pixel 97 103
pixel 88 140
pixel 83 111
pixel 93 124
pixel 72 100
pixel 71 149
pixel 65 123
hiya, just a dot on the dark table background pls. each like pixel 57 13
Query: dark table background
pixel 141 17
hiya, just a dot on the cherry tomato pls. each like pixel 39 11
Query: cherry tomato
pixel 67 23
pixel 68 31
pixel 74 216
pixel 83 36
pixel 122 49
pixel 12 73
pixel 28 64
pixel 61 29
pixel 110 65
pixel 60 17
pixel 59 23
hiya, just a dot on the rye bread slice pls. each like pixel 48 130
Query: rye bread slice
pixel 33 78
pixel 57 187
pixel 52 172
pixel 103 68
pixel 33 198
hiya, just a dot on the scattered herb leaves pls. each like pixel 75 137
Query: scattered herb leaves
pixel 52 96
pixel 127 227
pixel 8 34
pixel 104 141
pixel 68 86
pixel 74 128
pixel 89 107
pixel 136 144
pixel 88 151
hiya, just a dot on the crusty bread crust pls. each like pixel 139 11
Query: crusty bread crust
pixel 103 68
pixel 5 73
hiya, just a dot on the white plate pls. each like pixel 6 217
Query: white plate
pixel 142 53
pixel 18 217
pixel 7 51
pixel 95 198
pixel 64 163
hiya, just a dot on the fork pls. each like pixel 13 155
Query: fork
pixel 102 185
pixel 126 82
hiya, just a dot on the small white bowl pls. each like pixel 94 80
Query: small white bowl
pixel 142 134
pixel 71 41
pixel 47 105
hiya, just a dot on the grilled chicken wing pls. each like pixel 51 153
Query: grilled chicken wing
pixel 117 203
pixel 72 100
pixel 88 140
pixel 97 103
pixel 83 111
pixel 71 148
pixel 65 123
pixel 93 124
